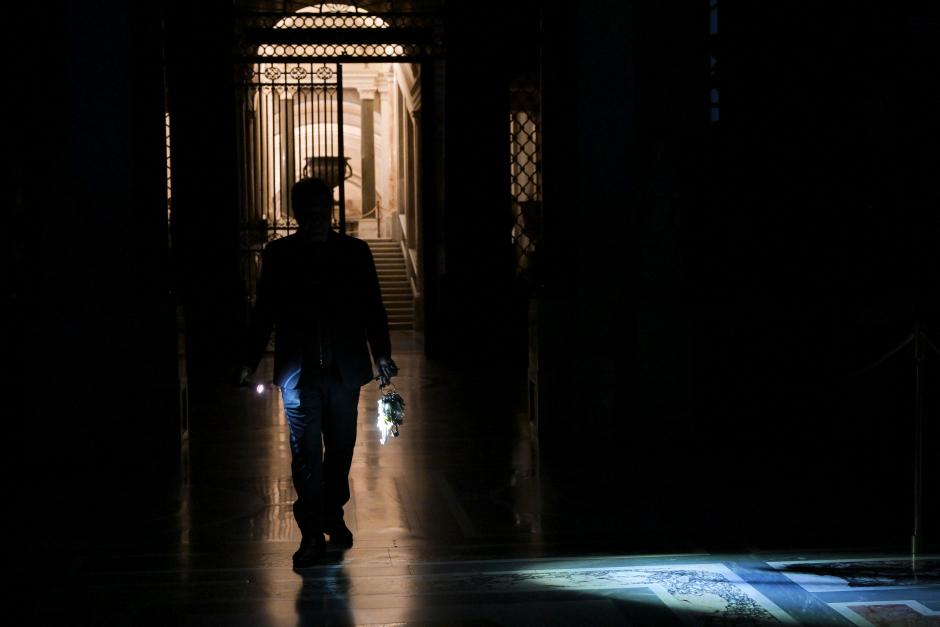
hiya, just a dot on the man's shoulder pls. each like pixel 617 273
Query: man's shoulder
pixel 280 243
pixel 350 243
pixel 283 245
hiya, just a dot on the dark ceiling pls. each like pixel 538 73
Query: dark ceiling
pixel 376 6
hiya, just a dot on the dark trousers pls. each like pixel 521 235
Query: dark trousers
pixel 321 415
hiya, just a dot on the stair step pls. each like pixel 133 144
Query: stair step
pixel 394 283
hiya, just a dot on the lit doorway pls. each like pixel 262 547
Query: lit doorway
pixel 349 124
pixel 348 114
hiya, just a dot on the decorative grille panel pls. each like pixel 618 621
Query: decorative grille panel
pixel 525 172
pixel 340 36
pixel 290 121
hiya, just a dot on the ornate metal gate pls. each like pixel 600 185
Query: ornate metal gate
pixel 291 122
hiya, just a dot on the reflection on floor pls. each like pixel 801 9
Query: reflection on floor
pixel 455 524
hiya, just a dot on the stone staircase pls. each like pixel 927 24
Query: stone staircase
pixel 393 279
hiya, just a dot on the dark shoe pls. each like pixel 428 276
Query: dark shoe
pixel 310 552
pixel 340 535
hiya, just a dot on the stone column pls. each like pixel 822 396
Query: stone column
pixel 410 194
pixel 401 167
pixel 385 170
pixel 256 146
pixel 417 233
pixel 414 237
pixel 287 151
pixel 367 100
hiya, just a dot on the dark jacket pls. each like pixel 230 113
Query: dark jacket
pixel 307 285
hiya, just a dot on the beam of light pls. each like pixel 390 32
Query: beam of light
pixel 709 590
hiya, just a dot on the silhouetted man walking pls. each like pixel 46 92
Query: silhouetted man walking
pixel 319 291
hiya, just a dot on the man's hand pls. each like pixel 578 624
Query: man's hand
pixel 387 369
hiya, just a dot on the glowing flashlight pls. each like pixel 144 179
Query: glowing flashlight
pixel 259 388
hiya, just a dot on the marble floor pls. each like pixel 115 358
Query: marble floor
pixel 456 522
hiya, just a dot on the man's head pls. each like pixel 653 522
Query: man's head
pixel 312 200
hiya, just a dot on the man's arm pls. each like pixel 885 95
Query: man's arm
pixel 262 316
pixel 376 317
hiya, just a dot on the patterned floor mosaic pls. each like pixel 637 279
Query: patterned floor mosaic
pixel 872 592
